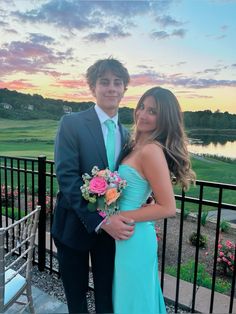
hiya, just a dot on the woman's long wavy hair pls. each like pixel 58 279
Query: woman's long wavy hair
pixel 169 134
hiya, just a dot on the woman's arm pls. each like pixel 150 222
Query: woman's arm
pixel 153 165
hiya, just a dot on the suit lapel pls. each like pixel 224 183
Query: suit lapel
pixel 95 129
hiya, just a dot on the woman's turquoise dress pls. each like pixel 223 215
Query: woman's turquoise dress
pixel 136 287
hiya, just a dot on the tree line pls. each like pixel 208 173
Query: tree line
pixel 20 106
pixel 208 119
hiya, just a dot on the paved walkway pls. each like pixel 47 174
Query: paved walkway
pixel 46 304
pixel 226 214
pixel 203 297
pixel 43 303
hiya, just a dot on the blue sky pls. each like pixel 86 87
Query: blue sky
pixel 187 46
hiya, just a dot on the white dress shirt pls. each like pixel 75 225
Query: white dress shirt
pixel 103 116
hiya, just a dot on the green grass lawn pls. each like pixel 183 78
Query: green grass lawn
pixel 36 137
pixel 31 138
pixel 209 169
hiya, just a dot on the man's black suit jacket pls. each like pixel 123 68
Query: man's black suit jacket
pixel 79 146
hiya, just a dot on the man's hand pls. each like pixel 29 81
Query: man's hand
pixel 119 227
pixel 151 200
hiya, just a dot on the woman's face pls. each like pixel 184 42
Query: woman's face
pixel 146 115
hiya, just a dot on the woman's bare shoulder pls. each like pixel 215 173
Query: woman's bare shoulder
pixel 151 149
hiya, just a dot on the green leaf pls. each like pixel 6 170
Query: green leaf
pixel 112 206
pixel 101 203
pixel 92 207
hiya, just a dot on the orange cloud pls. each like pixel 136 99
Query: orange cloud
pixel 17 85
pixel 71 83
pixel 78 97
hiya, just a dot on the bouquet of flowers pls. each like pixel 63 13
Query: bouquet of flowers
pixel 102 190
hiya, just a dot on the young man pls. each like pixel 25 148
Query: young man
pixel 80 145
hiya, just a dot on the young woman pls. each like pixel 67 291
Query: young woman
pixel 157 157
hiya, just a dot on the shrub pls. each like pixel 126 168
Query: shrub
pixel 224 226
pixel 7 191
pixel 187 211
pixel 226 257
pixel 33 203
pixel 8 194
pixel 202 240
pixel 204 217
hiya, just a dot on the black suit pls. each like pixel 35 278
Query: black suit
pixel 79 147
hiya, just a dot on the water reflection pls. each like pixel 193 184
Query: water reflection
pixel 221 147
pixel 214 139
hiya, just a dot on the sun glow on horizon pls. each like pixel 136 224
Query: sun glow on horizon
pixel 162 43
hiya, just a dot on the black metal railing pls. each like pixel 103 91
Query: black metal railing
pixel 219 205
pixel 26 182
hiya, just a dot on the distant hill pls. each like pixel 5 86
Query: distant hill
pixel 19 106
pixel 15 105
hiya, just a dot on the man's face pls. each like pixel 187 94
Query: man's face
pixel 108 91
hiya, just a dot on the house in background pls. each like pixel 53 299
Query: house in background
pixel 5 105
pixel 28 107
pixel 67 109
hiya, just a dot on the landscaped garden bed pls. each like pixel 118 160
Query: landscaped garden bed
pixel 205 263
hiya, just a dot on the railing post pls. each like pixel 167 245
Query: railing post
pixel 42 216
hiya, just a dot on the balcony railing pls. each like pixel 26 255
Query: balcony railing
pixel 26 182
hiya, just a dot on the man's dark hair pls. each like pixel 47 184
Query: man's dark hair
pixel 106 65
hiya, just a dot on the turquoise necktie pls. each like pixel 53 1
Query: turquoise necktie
pixel 110 143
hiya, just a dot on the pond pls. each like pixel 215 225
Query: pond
pixel 219 145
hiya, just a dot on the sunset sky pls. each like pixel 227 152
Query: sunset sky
pixel 188 46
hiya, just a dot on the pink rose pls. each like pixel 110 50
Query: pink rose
pixel 229 244
pixel 98 185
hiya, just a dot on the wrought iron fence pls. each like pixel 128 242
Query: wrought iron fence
pixel 26 182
